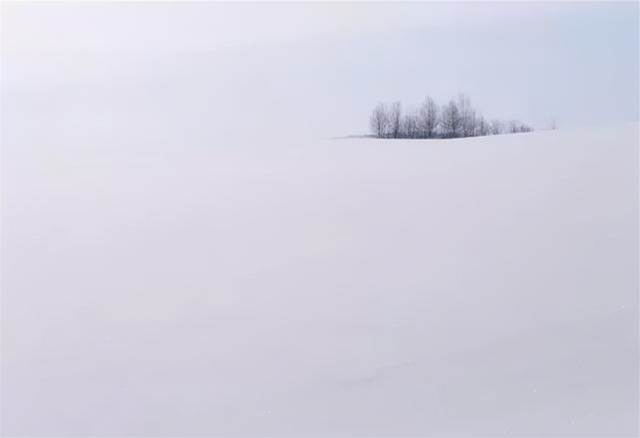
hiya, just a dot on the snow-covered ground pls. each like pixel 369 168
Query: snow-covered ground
pixel 297 287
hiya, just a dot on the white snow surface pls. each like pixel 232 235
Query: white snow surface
pixel 292 286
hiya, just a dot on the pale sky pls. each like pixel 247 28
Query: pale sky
pixel 168 26
pixel 576 62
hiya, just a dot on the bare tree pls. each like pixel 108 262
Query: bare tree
pixel 428 118
pixel 409 128
pixel 456 119
pixel 482 127
pixel 395 119
pixel 514 126
pixel 496 127
pixel 471 124
pixel 450 120
pixel 467 116
pixel 525 128
pixel 380 120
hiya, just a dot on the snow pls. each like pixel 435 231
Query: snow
pixel 293 286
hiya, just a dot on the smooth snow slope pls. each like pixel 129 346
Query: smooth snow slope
pixel 289 287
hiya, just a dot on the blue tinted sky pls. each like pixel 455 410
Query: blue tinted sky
pixel 576 62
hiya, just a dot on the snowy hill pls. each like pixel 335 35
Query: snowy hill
pixel 353 287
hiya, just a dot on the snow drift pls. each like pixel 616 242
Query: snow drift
pixel 357 287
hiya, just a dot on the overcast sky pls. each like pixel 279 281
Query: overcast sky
pixel 576 62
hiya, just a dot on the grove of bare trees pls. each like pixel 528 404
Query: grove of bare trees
pixel 456 119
